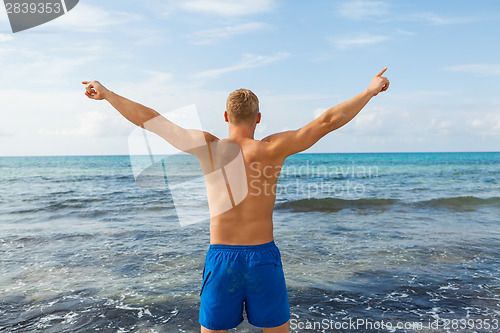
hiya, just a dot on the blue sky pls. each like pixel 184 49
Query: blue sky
pixel 299 57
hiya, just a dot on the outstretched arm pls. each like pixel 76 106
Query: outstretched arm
pixel 140 115
pixel 134 112
pixel 291 142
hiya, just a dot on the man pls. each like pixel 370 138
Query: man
pixel 243 267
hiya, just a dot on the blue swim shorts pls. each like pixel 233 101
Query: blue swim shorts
pixel 249 277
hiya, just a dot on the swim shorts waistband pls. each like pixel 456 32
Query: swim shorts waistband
pixel 241 247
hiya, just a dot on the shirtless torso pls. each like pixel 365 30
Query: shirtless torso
pixel 251 221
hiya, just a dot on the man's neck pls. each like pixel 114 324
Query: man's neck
pixel 238 132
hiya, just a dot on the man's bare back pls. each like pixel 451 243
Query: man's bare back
pixel 251 222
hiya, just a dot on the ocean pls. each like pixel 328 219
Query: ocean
pixel 374 242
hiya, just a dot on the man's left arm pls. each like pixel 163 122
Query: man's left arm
pixel 292 142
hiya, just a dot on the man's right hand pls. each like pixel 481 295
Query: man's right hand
pixel 95 90
pixel 379 83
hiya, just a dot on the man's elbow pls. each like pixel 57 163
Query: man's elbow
pixel 143 117
pixel 337 121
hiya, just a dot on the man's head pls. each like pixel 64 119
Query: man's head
pixel 242 108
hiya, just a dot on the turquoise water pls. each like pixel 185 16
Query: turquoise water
pixel 410 237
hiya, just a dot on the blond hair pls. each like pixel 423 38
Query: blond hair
pixel 242 106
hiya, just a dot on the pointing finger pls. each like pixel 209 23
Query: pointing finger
pixel 382 72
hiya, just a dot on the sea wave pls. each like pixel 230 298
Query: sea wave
pixel 464 203
pixel 335 204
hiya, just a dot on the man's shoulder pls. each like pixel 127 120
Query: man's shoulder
pixel 255 149
pixel 249 143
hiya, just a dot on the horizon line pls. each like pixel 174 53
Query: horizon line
pixel 301 153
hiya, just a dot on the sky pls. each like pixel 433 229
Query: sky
pixel 299 57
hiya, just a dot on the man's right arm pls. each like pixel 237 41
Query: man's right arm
pixel 291 142
pixel 147 118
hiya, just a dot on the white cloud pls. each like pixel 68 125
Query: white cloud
pixel 475 123
pixel 361 40
pixel 285 98
pixel 38 66
pixel 5 38
pixel 208 36
pixel 248 61
pixel 89 125
pixel 421 125
pixel 403 32
pixel 479 69
pixel 440 126
pixel 371 121
pixel 228 7
pixel 423 95
pixel 384 121
pixel 440 20
pixel 362 9
pixel 92 124
pixel 89 18
pixel 488 124
pixel 4 133
pixel 3 17
pixel 157 78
